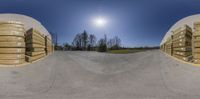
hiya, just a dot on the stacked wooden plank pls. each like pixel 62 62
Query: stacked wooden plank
pixel 168 44
pixel 182 43
pixel 12 45
pixel 35 45
pixel 48 45
pixel 162 47
pixel 52 47
pixel 196 42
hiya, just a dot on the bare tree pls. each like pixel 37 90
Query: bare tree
pixel 77 42
pixel 102 47
pixel 114 43
pixel 92 42
pixel 84 39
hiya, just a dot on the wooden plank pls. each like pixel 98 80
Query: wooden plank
pixel 35 41
pixel 34 32
pixel 183 53
pixel 196 55
pixel 12 44
pixel 12 25
pixel 11 33
pixel 12 62
pixel 196 61
pixel 12 50
pixel 33 45
pixel 197 44
pixel 35 53
pixel 11 39
pixel 188 48
pixel 34 37
pixel 34 49
pixel 182 44
pixel 182 34
pixel 188 58
pixel 197 50
pixel 185 39
pixel 12 28
pixel 34 58
pixel 197 38
pixel 11 56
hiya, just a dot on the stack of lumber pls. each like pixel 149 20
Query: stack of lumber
pixel 168 45
pixel 12 45
pixel 35 45
pixel 163 47
pixel 182 43
pixel 52 47
pixel 196 43
pixel 48 45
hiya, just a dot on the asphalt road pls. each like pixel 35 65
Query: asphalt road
pixel 93 75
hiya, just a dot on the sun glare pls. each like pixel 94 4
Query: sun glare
pixel 100 22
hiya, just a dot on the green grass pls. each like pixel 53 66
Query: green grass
pixel 125 51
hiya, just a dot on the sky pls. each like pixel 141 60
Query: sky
pixel 135 22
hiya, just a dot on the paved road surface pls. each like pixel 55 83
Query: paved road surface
pixel 93 75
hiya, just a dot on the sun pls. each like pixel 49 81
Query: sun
pixel 100 22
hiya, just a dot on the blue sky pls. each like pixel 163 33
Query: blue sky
pixel 136 22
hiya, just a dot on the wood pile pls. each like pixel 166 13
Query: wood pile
pixel 12 45
pixel 35 45
pixel 182 43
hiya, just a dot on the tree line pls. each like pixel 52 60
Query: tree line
pixel 88 42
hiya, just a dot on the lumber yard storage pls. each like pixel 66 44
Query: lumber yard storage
pixel 168 46
pixel 12 45
pixel 196 42
pixel 48 45
pixel 35 45
pixel 186 39
pixel 22 40
pixel 182 43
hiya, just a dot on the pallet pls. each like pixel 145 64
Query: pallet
pixel 12 62
pixel 187 58
pixel 184 54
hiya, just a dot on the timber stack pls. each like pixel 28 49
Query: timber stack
pixel 35 45
pixel 12 44
pixel 196 42
pixel 182 43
